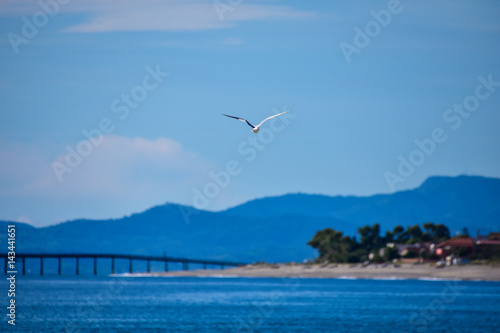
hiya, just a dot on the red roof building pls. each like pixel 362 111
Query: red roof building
pixel 464 246
pixel 457 242
pixel 494 236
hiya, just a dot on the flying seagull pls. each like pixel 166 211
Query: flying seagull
pixel 255 129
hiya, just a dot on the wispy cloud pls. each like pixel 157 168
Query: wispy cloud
pixel 159 15
pixel 23 219
pixel 121 168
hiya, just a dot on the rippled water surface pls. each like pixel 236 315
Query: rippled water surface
pixel 156 304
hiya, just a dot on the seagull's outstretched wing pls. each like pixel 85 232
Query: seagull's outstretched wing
pixel 279 114
pixel 246 121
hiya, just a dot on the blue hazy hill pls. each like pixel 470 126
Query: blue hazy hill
pixel 204 235
pixel 271 229
pixel 464 201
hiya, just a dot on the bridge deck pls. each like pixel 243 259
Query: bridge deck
pixel 77 256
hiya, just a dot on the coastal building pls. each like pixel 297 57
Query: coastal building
pixel 481 247
pixel 494 236
pixel 418 252
pixel 461 247
pixel 489 247
pixel 408 249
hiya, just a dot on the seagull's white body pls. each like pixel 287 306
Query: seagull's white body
pixel 255 129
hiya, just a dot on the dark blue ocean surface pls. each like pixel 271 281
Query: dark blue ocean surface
pixel 156 304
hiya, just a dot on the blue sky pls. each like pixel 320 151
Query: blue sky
pixel 381 94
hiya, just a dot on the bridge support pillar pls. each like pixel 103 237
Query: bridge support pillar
pixel 21 259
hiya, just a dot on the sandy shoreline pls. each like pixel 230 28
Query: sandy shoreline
pixel 404 271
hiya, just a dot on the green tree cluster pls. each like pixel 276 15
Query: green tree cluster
pixel 434 233
pixel 333 246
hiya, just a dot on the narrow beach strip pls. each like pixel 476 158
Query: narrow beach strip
pixel 346 271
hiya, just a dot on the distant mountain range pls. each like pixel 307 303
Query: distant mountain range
pixel 274 229
pixel 458 202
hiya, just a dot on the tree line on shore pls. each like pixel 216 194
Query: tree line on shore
pixel 334 246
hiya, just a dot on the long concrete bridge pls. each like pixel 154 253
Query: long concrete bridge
pixel 131 258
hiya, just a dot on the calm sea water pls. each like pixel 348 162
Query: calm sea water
pixel 156 304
